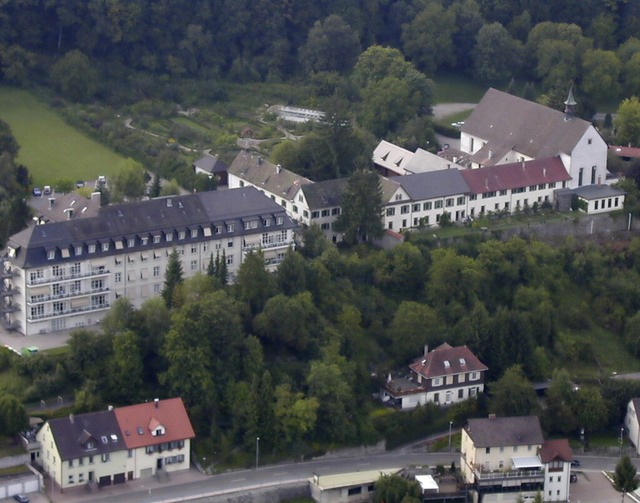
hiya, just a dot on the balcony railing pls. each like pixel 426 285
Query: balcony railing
pixel 7 273
pixel 8 308
pixel 8 292
pixel 37 299
pixel 265 246
pixel 65 277
pixel 67 312
pixel 493 476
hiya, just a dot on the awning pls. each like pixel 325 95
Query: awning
pixel 526 462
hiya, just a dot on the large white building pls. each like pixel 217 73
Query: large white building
pixel 504 129
pixel 67 274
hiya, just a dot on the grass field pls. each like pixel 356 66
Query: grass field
pixel 49 147
pixel 453 88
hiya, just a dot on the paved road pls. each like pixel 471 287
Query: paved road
pixel 444 109
pixel 195 487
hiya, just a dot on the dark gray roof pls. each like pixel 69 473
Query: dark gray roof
pixel 597 191
pixel 432 184
pixel 90 434
pixel 505 431
pixel 210 164
pixel 144 219
pixel 55 207
pixel 507 122
pixel 324 194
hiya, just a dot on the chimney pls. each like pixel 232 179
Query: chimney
pixel 544 172
pixel 259 161
pixel 71 418
pixel 426 349
pixel 169 203
pixel 490 154
pixel 69 213
pixel 156 402
pixel 523 165
pixel 492 416
pixel 109 407
pixel 278 168
pixel 52 201
pixel 599 180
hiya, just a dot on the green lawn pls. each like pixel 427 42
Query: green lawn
pixel 454 88
pixel 49 147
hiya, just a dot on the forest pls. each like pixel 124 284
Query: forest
pixel 296 357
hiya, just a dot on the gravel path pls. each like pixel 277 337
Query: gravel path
pixel 444 109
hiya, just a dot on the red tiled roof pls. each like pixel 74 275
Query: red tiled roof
pixel 459 358
pixel 553 450
pixel 622 151
pixel 515 175
pixel 170 413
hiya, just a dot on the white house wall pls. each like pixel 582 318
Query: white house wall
pixel 633 429
pixel 556 483
pixel 590 151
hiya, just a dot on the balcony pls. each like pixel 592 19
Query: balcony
pixel 8 308
pixel 37 299
pixel 102 271
pixel 266 246
pixel 68 312
pixel 9 292
pixel 508 477
pixel 7 273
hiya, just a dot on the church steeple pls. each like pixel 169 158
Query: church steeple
pixel 570 106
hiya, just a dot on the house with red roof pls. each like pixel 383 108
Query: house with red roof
pixel 157 436
pixel 116 445
pixel 443 376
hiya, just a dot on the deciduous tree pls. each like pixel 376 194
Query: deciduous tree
pixel 512 394
pixel 627 122
pixel 624 478
pixel 361 217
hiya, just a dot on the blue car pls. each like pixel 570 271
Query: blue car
pixel 22 498
pixel 37 192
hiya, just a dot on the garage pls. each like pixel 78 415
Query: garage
pixel 147 472
pixel 105 481
pixel 118 478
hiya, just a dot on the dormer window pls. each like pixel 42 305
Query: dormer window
pixel 92 248
pixel 279 220
pixel 181 235
pixel 144 240
pixel 447 364
pixel 169 236
pixel 104 440
pixel 131 243
pixel 231 228
pixel 218 229
pixel 462 362
pixel 51 254
pixel 78 250
pixel 194 233
pixel 105 247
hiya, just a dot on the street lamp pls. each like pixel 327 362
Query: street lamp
pixel 257 451
pixel 450 425
pixel 210 178
pixel 621 439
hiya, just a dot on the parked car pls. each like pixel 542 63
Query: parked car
pixel 29 351
pixel 573 478
pixel 37 192
pixel 22 498
pixel 47 190
pixel 575 463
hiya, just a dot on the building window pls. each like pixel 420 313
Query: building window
pixel 232 227
pixel 194 265
pixel 144 240
pixel 487 450
pixel 156 271
pixel 460 201
pixel 131 243
pixel 105 457
pixel 398 197
pixel 51 254
pixel 427 206
pixel 449 202
pixel 593 175
pixel 105 247
pixel 335 211
pixel 279 220
pixel 436 381
pixel 156 239
pixel 473 376
pixel 314 214
pixel 78 250
pixel 325 213
pixel 416 207
pixel 81 477
pixel 580 177
pixel 391 212
pixel 437 205
pixel 118 277
pixel 194 233
pixel 169 236
pixel 404 209
pixel 229 259
pixel 354 490
pixel 181 235
pixel 460 393
pixel 229 244
pixel 156 288
pixel 70 479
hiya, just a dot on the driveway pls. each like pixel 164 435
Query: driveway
pixel 444 109
pixel 593 487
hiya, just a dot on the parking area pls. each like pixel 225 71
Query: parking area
pixel 593 487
